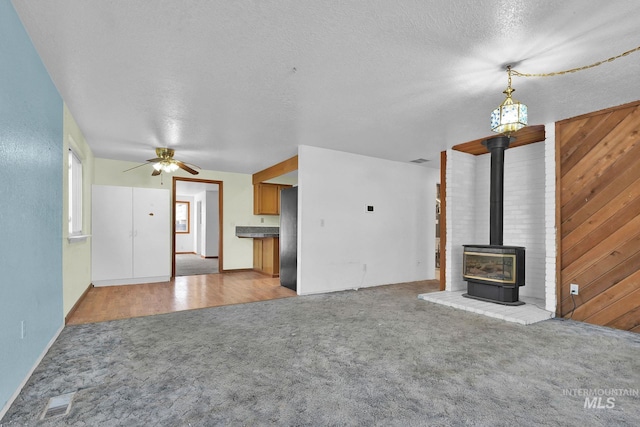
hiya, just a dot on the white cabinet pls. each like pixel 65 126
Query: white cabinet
pixel 131 235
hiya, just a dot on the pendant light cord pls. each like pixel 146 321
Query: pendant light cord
pixel 573 70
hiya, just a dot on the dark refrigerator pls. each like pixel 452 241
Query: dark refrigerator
pixel 289 238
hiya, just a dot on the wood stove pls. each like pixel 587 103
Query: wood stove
pixel 495 272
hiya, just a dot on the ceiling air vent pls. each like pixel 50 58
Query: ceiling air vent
pixel 420 160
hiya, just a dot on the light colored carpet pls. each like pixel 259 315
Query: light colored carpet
pixel 192 265
pixel 376 356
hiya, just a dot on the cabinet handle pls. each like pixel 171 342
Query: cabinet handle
pixel 150 213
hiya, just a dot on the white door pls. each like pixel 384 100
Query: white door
pixel 151 233
pixel 112 233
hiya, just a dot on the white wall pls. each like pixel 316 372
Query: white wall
pixel 526 211
pixel 340 246
pixel 199 205
pixel 185 242
pixel 210 224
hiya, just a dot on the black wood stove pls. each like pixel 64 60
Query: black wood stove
pixel 495 272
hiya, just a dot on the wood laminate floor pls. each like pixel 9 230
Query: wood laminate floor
pixel 182 293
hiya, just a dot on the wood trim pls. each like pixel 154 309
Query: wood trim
pixel 207 257
pixel 185 253
pixel 220 219
pixel 77 304
pixel 443 219
pixel 558 223
pixel 220 228
pixel 597 113
pixel 526 135
pixel 173 227
pixel 276 170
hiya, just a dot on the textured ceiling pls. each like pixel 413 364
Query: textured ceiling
pixel 237 85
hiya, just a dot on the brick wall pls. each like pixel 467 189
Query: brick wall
pixel 529 212
pixel 524 211
pixel 550 217
pixel 461 227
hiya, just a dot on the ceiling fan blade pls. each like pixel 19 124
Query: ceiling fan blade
pixel 155 172
pixel 185 167
pixel 156 160
pixel 135 167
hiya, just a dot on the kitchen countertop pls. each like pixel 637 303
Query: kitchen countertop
pixel 256 232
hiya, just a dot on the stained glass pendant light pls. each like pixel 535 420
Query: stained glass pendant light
pixel 511 115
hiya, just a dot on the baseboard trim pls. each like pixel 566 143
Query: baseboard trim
pixel 15 394
pixel 185 253
pixel 237 270
pixel 77 304
pixel 272 275
pixel 131 281
pixel 207 257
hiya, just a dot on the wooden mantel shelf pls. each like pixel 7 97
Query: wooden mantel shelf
pixel 526 135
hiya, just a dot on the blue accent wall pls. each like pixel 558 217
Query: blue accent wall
pixel 30 204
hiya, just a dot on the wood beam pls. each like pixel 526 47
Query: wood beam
pixel 526 135
pixel 276 170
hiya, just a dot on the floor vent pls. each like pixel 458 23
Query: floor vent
pixel 57 406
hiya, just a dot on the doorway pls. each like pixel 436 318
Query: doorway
pixel 197 227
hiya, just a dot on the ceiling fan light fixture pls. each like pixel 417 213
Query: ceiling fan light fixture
pixel 166 166
pixel 511 115
pixel 164 162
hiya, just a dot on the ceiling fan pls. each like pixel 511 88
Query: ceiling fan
pixel 164 162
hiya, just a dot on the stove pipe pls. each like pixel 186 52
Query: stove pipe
pixel 496 147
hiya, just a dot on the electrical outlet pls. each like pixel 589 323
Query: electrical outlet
pixel 23 330
pixel 573 289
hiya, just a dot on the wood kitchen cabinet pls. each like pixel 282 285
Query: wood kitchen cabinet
pixel 266 255
pixel 266 198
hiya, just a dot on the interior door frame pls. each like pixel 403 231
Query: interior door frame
pixel 443 220
pixel 173 223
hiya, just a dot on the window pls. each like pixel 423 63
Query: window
pixel 75 194
pixel 183 212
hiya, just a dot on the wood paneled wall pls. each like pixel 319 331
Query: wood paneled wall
pixel 598 177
